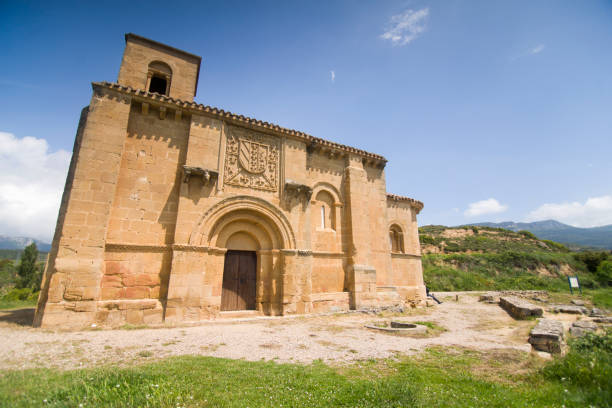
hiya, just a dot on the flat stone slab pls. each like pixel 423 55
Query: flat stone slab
pixel 605 319
pixel 581 327
pixel 519 308
pixel 400 327
pixel 547 336
pixel 595 312
pixel 577 302
pixel 571 309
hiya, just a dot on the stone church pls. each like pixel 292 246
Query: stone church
pixel 175 212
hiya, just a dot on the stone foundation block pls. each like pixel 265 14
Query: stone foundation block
pixel 519 308
pixel 547 336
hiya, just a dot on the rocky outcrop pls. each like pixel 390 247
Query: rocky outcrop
pixel 547 336
pixel 519 308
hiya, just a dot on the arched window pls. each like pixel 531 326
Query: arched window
pixel 159 77
pixel 396 236
pixel 325 203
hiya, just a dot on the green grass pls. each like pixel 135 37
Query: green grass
pixel 600 297
pixel 437 378
pixel 16 304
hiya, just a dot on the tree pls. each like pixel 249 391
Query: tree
pixel 604 273
pixel 28 269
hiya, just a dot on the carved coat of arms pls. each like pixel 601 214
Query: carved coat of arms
pixel 251 160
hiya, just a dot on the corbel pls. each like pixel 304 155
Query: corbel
pixel 207 175
pixel 162 112
pixel 178 114
pixel 145 108
pixel 296 189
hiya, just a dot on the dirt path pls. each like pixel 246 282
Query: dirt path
pixel 333 339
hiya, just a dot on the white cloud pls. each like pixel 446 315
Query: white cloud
pixel 405 27
pixel 537 49
pixel 490 206
pixel 31 184
pixel 333 75
pixel 595 211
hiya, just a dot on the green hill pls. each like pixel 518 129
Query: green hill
pixel 485 258
pixel 599 237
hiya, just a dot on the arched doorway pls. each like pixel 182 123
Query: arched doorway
pixel 250 224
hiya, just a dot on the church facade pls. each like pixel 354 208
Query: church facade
pixel 175 212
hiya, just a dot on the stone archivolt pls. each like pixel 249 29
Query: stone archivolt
pixel 170 206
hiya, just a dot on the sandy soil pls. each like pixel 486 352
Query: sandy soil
pixel 335 338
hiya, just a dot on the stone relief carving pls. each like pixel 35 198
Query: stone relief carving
pixel 251 160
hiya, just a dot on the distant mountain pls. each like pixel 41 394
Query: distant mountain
pixel 7 242
pixel 599 237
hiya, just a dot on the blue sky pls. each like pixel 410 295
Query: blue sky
pixel 486 111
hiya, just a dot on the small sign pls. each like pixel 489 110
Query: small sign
pixel 574 284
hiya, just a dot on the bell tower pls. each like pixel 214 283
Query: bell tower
pixel 159 68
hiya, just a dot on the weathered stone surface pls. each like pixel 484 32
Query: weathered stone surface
pixel 595 312
pixel 580 327
pixel 577 302
pixel 519 308
pixel 570 309
pixel 547 336
pixel 605 319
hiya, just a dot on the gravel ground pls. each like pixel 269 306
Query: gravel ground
pixel 335 339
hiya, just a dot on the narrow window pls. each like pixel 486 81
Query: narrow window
pixel 323 216
pixel 158 85
pixel 397 239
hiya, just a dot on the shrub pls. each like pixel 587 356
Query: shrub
pixel 591 259
pixel 452 247
pixel 19 294
pixel 555 245
pixel 587 366
pixel 604 273
pixel 427 239
pixel 527 234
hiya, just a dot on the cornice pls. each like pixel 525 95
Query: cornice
pixel 235 119
pixel 416 204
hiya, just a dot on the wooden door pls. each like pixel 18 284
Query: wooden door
pixel 239 278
